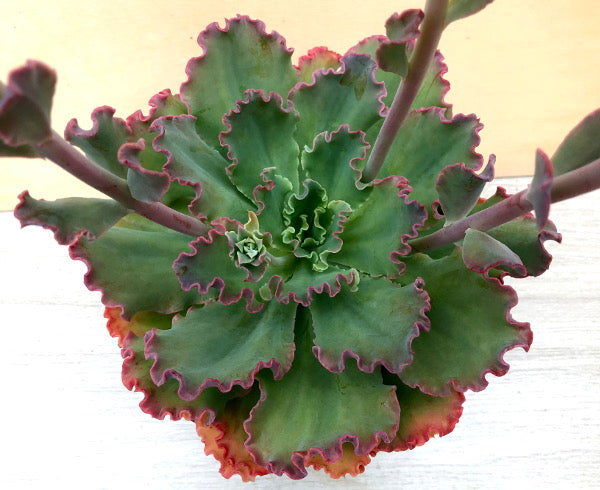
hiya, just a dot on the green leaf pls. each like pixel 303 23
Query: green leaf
pixel 405 26
pixel 333 162
pixel 261 135
pixel 426 143
pixel 199 355
pixel 375 324
pixel 70 217
pixel 375 234
pixel 101 143
pixel 133 269
pixel 580 147
pixel 239 57
pixel 319 58
pixel 25 105
pixel 160 401
pixel 481 253
pixel 471 327
pixel 191 161
pixel 539 193
pixel 24 151
pixel 271 197
pixel 350 96
pixel 314 409
pixel 458 9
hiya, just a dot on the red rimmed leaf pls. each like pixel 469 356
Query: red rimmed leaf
pixel 101 143
pixel 402 30
pixel 375 324
pixel 225 439
pixel 25 105
pixel 133 269
pixel 483 254
pixel 466 340
pixel 190 161
pixel 199 356
pixel 313 411
pixel 349 463
pixel 388 219
pixel 260 135
pixel 319 58
pixel 349 96
pixel 255 60
pixel 71 217
pixel 162 401
pixel 138 325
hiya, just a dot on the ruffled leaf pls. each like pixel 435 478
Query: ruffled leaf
pixel 332 162
pixel 145 185
pixel 271 196
pixel 70 217
pixel 350 96
pixel 254 60
pixel 260 135
pixel 402 30
pixel 314 411
pixel 319 58
pixel 459 188
pixel 349 463
pixel 191 161
pixel 426 143
pixel 466 340
pixel 199 355
pixel 580 147
pixel 137 325
pixel 101 143
pixel 388 219
pixel 25 105
pixel 458 9
pixel 481 253
pixel 375 324
pixel 160 401
pixel 133 270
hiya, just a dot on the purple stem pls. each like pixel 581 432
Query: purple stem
pixel 74 162
pixel 574 183
pixel 433 25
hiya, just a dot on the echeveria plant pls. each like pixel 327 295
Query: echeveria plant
pixel 297 258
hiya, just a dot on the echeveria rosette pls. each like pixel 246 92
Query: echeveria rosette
pixel 300 329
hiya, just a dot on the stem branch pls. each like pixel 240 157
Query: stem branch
pixel 579 181
pixel 433 25
pixel 71 160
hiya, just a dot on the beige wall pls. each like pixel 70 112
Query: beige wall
pixel 529 68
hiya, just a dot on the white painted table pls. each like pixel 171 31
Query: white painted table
pixel 67 421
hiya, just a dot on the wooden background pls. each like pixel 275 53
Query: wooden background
pixel 528 68
pixel 67 422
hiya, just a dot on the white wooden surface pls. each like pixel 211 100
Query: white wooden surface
pixel 68 422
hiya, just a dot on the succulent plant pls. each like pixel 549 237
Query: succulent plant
pixel 297 258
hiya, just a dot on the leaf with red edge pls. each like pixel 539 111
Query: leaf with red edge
pixel 402 30
pixel 70 217
pixel 349 463
pixel 199 355
pixel 137 325
pixel 388 219
pixel 254 60
pixel 312 410
pixel 25 105
pixel 349 96
pixel 319 58
pixel 483 254
pixel 260 135
pixel 466 340
pixel 376 324
pixel 224 438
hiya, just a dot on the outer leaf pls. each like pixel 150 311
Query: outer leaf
pixel 471 328
pixel 199 355
pixel 314 411
pixel 349 463
pixel 160 401
pixel 332 162
pixel 375 325
pixel 481 253
pixel 192 162
pixel 350 96
pixel 25 105
pixel 101 143
pixel 580 147
pixel 319 58
pixel 426 143
pixel 260 135
pixel 404 26
pixel 255 60
pixel 149 255
pixel 458 9
pixel 71 217
pixel 388 219
pixel 138 325
pixel 402 30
